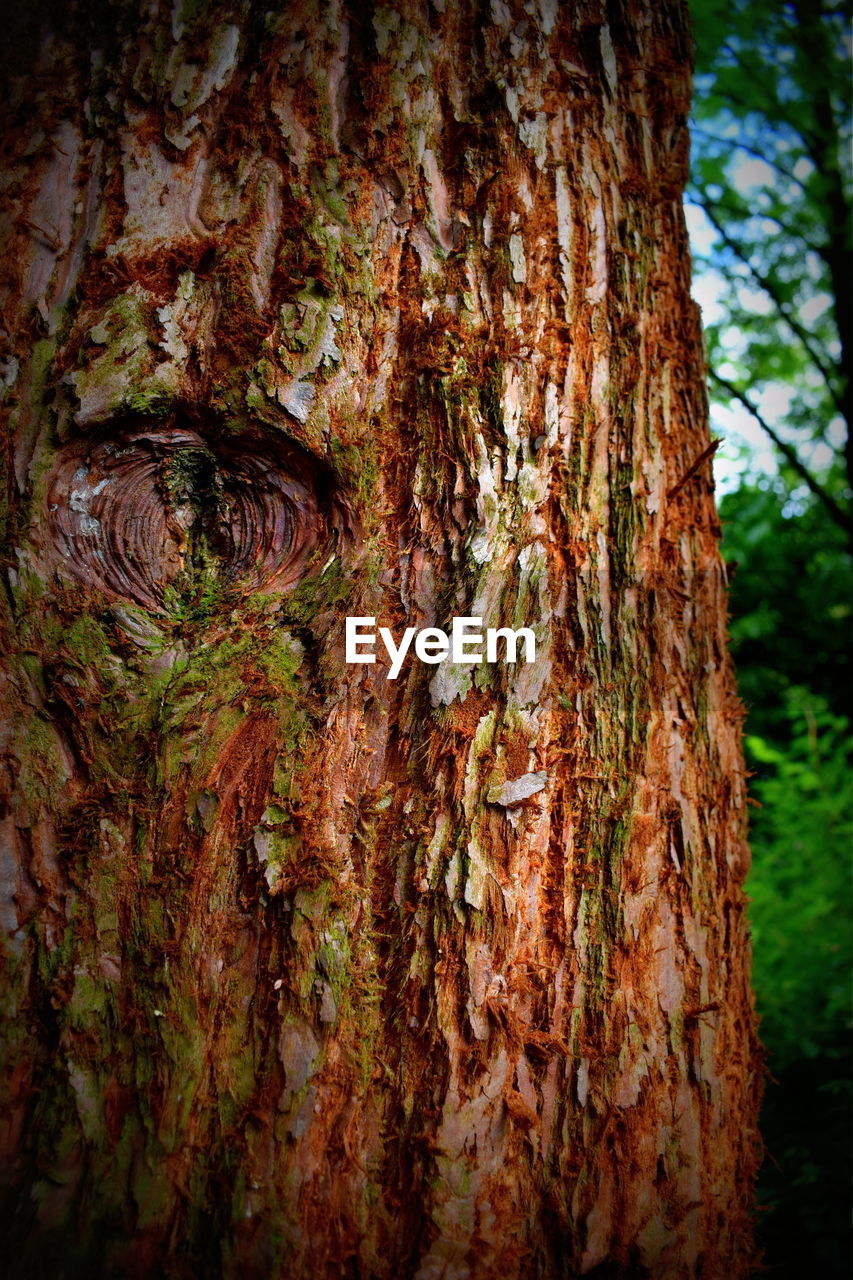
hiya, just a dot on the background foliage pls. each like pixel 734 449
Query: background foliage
pixel 772 182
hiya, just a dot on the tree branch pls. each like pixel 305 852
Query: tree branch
pixel 775 109
pixel 826 371
pixel 736 144
pixel 834 509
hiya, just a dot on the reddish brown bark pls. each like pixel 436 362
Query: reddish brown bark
pixel 366 313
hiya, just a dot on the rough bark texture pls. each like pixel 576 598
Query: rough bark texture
pixel 347 311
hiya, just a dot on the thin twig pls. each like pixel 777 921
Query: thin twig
pixel 694 467
pixel 767 285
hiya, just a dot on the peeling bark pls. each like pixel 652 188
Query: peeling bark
pixel 346 313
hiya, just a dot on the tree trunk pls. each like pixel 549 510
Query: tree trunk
pixel 365 314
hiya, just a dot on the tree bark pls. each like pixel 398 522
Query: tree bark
pixel 383 313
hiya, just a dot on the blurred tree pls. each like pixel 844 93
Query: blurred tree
pixel 791 605
pixel 790 601
pixel 772 174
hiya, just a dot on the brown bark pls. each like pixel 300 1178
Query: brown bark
pixel 345 312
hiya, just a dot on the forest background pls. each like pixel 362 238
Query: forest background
pixel 769 212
